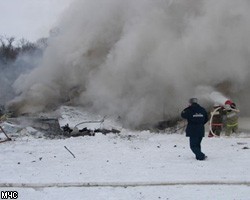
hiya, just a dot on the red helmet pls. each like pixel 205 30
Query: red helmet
pixel 229 102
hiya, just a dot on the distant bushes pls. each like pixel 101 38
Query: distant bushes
pixel 10 48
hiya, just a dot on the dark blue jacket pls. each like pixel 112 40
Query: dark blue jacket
pixel 197 117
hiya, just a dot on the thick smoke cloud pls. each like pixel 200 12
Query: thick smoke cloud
pixel 11 70
pixel 142 60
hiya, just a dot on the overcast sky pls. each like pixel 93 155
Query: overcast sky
pixel 29 19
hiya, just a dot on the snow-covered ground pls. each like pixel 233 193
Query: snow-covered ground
pixel 129 165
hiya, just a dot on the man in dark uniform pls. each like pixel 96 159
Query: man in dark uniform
pixel 196 117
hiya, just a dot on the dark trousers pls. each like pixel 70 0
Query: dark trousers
pixel 195 146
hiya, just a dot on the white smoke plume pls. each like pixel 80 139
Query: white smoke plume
pixel 210 95
pixel 142 59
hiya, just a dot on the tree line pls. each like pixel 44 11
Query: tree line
pixel 10 48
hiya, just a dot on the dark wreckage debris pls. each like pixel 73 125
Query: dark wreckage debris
pixel 75 132
pixel 50 127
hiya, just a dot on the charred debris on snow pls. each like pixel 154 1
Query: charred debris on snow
pixel 49 127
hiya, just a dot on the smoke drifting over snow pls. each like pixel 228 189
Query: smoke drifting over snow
pixel 143 60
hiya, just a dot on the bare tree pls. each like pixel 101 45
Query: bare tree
pixel 7 50
pixel 26 46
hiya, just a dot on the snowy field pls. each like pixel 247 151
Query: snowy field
pixel 125 166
